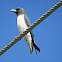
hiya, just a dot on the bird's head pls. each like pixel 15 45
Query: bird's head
pixel 18 11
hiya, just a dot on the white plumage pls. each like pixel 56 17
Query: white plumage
pixel 22 27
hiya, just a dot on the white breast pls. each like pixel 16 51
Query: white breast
pixel 22 27
pixel 21 23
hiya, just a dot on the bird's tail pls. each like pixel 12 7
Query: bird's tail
pixel 36 47
pixel 33 42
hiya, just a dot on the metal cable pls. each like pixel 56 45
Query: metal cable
pixel 31 27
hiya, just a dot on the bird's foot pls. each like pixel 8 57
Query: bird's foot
pixel 16 37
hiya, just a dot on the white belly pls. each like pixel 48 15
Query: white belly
pixel 22 26
pixel 21 23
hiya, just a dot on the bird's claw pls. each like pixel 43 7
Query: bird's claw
pixel 16 37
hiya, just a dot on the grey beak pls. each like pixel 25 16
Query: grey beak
pixel 13 10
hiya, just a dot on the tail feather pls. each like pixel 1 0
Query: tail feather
pixel 36 47
pixel 34 44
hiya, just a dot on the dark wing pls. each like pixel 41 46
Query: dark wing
pixel 28 23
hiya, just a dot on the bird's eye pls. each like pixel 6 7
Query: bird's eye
pixel 18 9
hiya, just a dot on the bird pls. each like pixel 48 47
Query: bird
pixel 23 22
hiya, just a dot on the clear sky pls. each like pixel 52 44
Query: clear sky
pixel 48 34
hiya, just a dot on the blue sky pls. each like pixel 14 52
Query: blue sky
pixel 48 34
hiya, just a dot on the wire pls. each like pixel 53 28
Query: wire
pixel 17 38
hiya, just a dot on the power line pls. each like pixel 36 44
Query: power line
pixel 17 38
